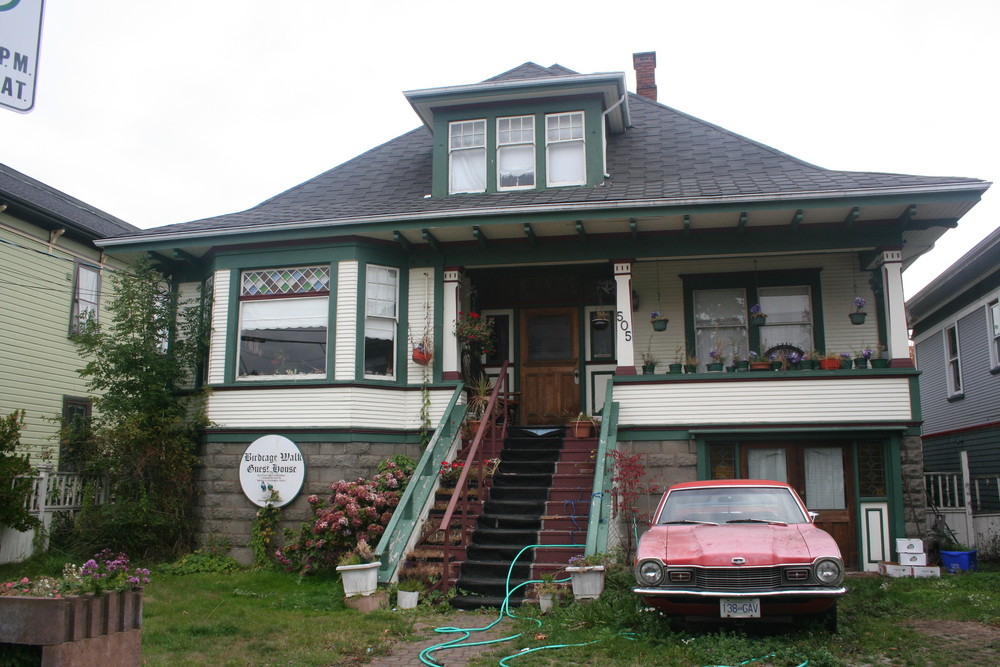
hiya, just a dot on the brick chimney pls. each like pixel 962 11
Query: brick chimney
pixel 645 73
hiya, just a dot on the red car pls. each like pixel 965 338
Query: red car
pixel 742 549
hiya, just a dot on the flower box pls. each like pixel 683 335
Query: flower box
pixel 359 579
pixel 103 629
pixel 588 581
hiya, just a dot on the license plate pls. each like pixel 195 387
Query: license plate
pixel 739 608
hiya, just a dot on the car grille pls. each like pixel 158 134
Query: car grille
pixel 738 578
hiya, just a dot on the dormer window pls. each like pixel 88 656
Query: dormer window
pixel 515 152
pixel 565 149
pixel 467 156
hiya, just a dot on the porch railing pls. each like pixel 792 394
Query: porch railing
pixel 599 521
pixel 403 529
pixel 459 518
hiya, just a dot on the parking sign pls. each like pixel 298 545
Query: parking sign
pixel 20 36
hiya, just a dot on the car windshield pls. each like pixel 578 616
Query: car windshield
pixel 732 505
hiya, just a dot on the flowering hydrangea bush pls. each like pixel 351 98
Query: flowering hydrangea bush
pixel 354 512
pixel 106 571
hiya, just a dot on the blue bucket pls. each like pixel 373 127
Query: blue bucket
pixel 953 561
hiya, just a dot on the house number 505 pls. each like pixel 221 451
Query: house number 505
pixel 624 325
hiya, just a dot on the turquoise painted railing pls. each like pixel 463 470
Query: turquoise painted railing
pixel 419 492
pixel 599 520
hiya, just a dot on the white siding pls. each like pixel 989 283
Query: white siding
pixel 840 273
pixel 816 400
pixel 220 319
pixel 346 345
pixel 323 407
pixel 421 316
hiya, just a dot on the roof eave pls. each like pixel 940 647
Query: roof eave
pixel 571 207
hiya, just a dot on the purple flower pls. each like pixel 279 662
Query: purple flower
pixel 859 303
pixel 755 309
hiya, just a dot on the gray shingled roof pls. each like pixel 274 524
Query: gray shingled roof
pixel 24 195
pixel 664 155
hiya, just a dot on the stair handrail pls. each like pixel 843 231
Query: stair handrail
pixel 493 444
pixel 418 497
pixel 599 518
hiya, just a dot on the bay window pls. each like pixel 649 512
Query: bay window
pixel 381 320
pixel 284 315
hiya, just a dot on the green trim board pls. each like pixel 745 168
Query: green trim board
pixel 313 435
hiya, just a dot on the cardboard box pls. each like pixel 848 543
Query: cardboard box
pixel 895 570
pixel 927 572
pixel 908 545
pixel 912 559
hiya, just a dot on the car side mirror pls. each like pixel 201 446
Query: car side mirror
pixel 813 516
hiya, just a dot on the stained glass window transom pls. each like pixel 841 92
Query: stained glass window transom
pixel 280 282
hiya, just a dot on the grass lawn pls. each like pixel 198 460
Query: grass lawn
pixel 252 617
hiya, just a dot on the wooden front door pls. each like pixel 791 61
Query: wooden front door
pixel 822 475
pixel 549 365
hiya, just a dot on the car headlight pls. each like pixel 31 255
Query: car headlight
pixel 829 571
pixel 649 573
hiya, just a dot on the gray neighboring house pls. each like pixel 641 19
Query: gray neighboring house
pixel 50 273
pixel 956 331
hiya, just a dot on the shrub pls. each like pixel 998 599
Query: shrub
pixel 354 511
pixel 14 487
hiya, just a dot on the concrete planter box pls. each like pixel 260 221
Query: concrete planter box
pixel 359 579
pixel 588 581
pixel 80 630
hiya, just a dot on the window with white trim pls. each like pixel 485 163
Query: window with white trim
pixel 467 156
pixel 952 360
pixel 284 315
pixel 565 149
pixel 86 295
pixel 381 320
pixel 994 333
pixel 515 152
pixel 789 317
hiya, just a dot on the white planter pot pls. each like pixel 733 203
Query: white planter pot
pixel 545 602
pixel 407 599
pixel 588 581
pixel 359 579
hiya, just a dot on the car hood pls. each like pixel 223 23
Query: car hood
pixel 757 544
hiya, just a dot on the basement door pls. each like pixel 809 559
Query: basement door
pixel 822 475
pixel 549 365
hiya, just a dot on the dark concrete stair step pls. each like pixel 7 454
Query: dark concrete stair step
pixel 515 468
pixel 504 536
pixel 513 506
pixel 529 455
pixel 473 602
pixel 522 493
pixel 510 521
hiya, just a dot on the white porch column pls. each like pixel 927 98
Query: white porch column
pixel 623 318
pixel 898 342
pixel 451 361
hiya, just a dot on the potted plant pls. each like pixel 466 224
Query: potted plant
pixel 859 315
pixel 359 570
pixel 659 322
pixel 649 360
pixel 587 574
pixel 408 593
pixel 846 360
pixel 757 362
pixel 829 362
pixel 475 332
pixel 878 360
pixel 548 590
pixel 691 364
pixel 583 426
pixel 678 366
pixel 862 356
pixel 478 400
pixel 718 357
pixel 758 317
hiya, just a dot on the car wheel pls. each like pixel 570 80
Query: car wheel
pixel 829 618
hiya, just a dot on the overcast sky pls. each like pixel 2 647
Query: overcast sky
pixel 164 112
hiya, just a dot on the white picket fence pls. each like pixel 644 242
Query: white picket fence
pixel 51 492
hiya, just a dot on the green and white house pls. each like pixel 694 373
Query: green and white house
pixel 546 199
pixel 50 273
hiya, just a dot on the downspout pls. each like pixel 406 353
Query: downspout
pixel 604 135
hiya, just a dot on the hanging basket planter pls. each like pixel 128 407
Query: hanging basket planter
pixel 758 320
pixel 857 318
pixel 421 355
pixel 601 321
pixel 660 324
